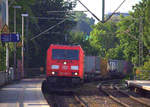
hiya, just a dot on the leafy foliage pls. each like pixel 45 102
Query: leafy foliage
pixel 2 57
pixel 79 34
pixel 39 20
pixel 57 35
pixel 128 44
pixel 103 37
pixel 83 23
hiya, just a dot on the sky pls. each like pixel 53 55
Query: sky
pixel 110 5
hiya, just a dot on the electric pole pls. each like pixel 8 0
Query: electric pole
pixel 103 10
pixel 140 42
pixel 27 44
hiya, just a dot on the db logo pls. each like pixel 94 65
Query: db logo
pixel 65 67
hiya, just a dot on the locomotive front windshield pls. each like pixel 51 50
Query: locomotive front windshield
pixel 65 54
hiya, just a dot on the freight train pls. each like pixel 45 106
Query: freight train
pixel 67 65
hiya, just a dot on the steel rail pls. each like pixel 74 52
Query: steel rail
pixel 78 99
pixel 113 98
pixel 122 92
pixel 136 99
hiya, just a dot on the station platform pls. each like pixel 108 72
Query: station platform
pixel 25 93
pixel 143 84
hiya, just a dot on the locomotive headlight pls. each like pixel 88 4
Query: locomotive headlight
pixel 53 73
pixel 74 67
pixel 65 63
pixel 54 66
pixel 75 73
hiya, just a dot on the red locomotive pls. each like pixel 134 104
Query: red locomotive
pixel 64 64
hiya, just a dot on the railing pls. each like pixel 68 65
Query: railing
pixel 6 77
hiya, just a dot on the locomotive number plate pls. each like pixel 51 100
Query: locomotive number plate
pixel 64 73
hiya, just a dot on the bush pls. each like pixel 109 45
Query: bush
pixel 143 73
pixel 146 65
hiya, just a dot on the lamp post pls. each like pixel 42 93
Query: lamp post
pixel 23 15
pixel 15 7
pixel 7 49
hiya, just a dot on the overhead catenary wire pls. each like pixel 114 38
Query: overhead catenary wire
pixel 132 36
pixel 48 29
pixel 115 11
pixel 96 16
pixel 37 25
pixel 47 18
pixel 89 10
pixel 64 11
pixel 127 32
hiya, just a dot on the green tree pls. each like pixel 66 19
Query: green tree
pixel 130 41
pixel 128 44
pixel 81 38
pixel 84 23
pixel 2 57
pixel 38 10
pixel 79 34
pixel 103 37
pixel 57 35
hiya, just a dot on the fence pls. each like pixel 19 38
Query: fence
pixel 2 58
pixel 6 77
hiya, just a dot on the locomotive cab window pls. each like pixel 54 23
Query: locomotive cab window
pixel 65 54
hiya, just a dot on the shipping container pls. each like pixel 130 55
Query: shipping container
pixel 118 68
pixel 89 64
pixel 91 67
pixel 103 66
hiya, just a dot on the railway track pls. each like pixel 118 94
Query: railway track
pixel 138 97
pixel 67 99
pixel 121 97
pixel 92 97
pixel 108 95
pixel 86 96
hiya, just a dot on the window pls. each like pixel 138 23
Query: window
pixel 65 54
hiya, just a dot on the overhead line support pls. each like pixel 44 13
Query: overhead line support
pixel 48 29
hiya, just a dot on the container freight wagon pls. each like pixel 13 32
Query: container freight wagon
pixel 91 67
pixel 64 64
pixel 96 67
pixel 118 68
